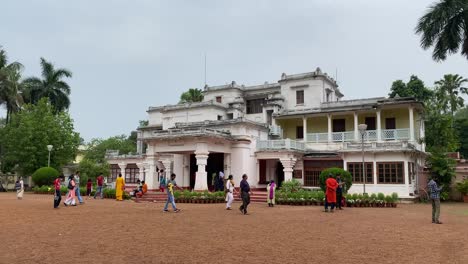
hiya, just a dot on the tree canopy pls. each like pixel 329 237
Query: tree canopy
pixel 191 96
pixel 96 149
pixel 413 88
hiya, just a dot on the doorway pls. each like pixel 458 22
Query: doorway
pixel 279 173
pixel 215 164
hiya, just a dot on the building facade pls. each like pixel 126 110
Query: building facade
pixel 294 128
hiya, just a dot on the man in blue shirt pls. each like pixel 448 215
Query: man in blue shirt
pixel 434 191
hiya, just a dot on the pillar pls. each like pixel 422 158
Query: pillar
pixel 379 127
pixel 356 124
pixel 201 174
pixel 141 171
pixel 288 165
pixel 151 174
pixel 304 127
pixel 411 124
pixel 329 116
pixel 167 167
pixel 227 164
pixel 422 135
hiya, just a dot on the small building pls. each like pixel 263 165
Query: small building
pixel 293 128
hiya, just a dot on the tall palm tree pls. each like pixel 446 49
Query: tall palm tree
pixel 10 85
pixel 445 26
pixel 449 92
pixel 192 95
pixel 51 86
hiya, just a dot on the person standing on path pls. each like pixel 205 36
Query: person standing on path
pixel 339 192
pixel 435 198
pixel 271 193
pixel 119 187
pixel 77 187
pixel 70 200
pixel 162 180
pixel 57 193
pixel 330 193
pixel 19 186
pixel 229 192
pixel 100 185
pixel 89 188
pixel 171 184
pixel 245 194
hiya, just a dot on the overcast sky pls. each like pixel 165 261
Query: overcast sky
pixel 128 55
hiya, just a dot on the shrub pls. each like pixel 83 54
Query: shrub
pixel 45 176
pixel 462 187
pixel 345 177
pixel 381 196
pixel 395 197
pixel 291 186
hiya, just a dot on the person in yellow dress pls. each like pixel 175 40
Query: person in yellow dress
pixel 119 187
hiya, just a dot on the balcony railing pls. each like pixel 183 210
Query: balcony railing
pixel 287 144
pixel 343 136
pixel 395 134
pixel 317 137
pixel 369 136
pixel 276 131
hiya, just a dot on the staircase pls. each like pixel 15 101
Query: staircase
pixel 156 196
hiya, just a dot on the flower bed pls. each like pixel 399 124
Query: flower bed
pixel 199 197
pixel 306 197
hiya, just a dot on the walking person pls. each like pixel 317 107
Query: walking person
pixel 435 198
pixel 271 193
pixel 77 187
pixel 245 194
pixel 70 199
pixel 171 184
pixel 57 192
pixel 162 180
pixel 330 193
pixel 99 185
pixel 119 187
pixel 339 192
pixel 19 186
pixel 89 187
pixel 229 192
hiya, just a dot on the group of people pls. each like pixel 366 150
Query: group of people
pixel 333 193
pixel 73 186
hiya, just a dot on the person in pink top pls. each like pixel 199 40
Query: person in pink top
pixel 70 200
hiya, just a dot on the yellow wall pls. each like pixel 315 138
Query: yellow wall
pixel 317 124
pixel 401 117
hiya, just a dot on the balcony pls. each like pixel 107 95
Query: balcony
pixel 281 144
pixel 275 131
pixel 369 136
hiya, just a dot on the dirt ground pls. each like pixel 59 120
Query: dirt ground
pixel 106 231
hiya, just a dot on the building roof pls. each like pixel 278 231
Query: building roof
pixel 167 108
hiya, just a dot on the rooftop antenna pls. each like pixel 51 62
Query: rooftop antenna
pixel 205 68
pixel 336 75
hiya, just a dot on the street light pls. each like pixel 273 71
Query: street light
pixel 362 129
pixel 49 148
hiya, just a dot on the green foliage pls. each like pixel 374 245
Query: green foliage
pixel 461 130
pixel 381 196
pixel 10 85
pixel 291 186
pixel 96 149
pixel 24 140
pixel 45 176
pixel 89 169
pixel 462 187
pixel 449 91
pixel 414 88
pixel 191 96
pixel 439 132
pixel 442 166
pixel 345 177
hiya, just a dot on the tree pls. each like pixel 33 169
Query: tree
pixel 51 86
pixel 24 140
pixel 414 88
pixel 96 149
pixel 10 85
pixel 191 96
pixel 445 26
pixel 461 130
pixel 442 166
pixel 90 170
pixel 449 91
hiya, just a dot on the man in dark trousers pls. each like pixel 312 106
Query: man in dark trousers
pixel 245 194
pixel 435 198
pixel 339 192
pixel 57 193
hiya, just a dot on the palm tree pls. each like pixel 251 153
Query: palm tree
pixel 192 95
pixel 51 86
pixel 449 91
pixel 445 26
pixel 10 86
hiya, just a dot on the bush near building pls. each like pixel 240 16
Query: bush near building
pixel 45 176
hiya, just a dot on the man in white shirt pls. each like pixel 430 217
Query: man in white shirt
pixel 230 192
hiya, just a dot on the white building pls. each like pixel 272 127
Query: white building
pixel 293 128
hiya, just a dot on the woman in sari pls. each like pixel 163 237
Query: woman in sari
pixel 20 190
pixel 119 188
pixel 70 200
pixel 271 190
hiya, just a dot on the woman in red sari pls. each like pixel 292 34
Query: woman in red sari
pixel 330 193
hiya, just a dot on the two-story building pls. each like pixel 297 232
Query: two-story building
pixel 294 128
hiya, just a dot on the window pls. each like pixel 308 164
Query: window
pixel 254 106
pixel 230 116
pixel 328 97
pixel 218 99
pixel 220 117
pixel 300 97
pixel 339 125
pixel 370 122
pixel 311 177
pixel 115 170
pixel 390 172
pixel 297 174
pixel 132 173
pixel 299 132
pixel 355 168
pixel 390 123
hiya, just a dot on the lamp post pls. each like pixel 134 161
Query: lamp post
pixel 362 129
pixel 49 148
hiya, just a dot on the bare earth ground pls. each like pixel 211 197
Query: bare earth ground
pixel 106 231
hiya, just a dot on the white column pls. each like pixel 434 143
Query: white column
pixel 151 174
pixel 201 174
pixel 227 164
pixel 288 165
pixel 356 130
pixel 329 116
pixel 304 126
pixel 141 170
pixel 167 167
pixel 411 124
pixel 379 127
pixel 422 134
pixel 375 170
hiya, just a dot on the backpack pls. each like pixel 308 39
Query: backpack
pixel 70 186
pixel 17 186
